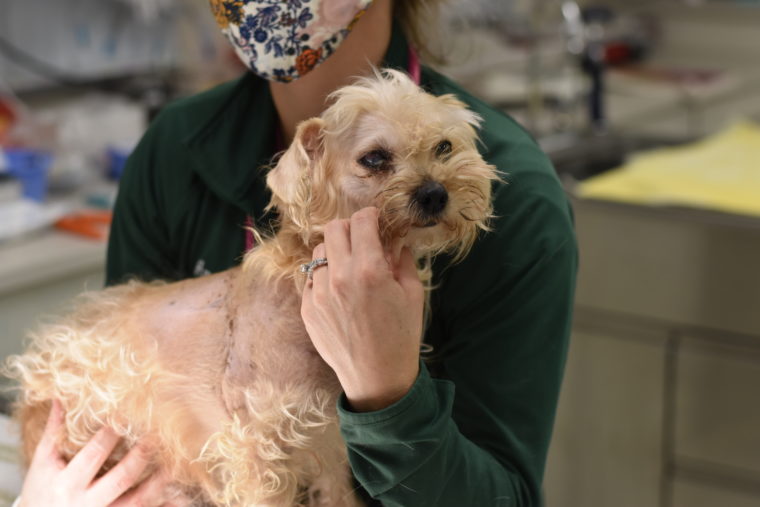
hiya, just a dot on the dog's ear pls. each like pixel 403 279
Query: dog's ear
pixel 290 179
pixel 460 110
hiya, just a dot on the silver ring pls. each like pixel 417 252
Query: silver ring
pixel 309 267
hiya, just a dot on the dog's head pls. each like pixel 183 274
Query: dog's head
pixel 384 142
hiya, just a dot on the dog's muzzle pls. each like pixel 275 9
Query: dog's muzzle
pixel 430 198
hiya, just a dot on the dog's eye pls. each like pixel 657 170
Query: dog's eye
pixel 375 160
pixel 443 148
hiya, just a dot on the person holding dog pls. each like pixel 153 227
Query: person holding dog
pixel 470 422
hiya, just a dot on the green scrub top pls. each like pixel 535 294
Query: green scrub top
pixel 474 429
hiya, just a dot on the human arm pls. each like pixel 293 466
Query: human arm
pixel 501 323
pixel 374 351
pixel 183 201
pixel 138 243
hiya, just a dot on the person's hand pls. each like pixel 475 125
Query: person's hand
pixel 363 312
pixel 50 481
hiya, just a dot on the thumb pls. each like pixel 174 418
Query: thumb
pixel 47 448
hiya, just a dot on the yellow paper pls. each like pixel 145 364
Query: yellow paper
pixel 721 172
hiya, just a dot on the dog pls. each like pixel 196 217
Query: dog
pixel 218 374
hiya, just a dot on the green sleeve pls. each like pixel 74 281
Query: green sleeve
pixel 479 436
pixel 139 245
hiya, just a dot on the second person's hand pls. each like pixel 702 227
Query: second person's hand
pixel 51 481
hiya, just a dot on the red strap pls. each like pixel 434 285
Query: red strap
pixel 249 241
pixel 414 66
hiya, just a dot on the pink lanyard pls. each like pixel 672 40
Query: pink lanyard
pixel 414 70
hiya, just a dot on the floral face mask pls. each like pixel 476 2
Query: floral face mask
pixel 281 40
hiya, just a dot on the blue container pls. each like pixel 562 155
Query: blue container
pixel 117 159
pixel 31 168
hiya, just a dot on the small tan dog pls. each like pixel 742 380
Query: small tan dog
pixel 218 373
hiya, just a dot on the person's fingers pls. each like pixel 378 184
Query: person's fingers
pixel 307 298
pixel 338 253
pixel 406 274
pixel 338 240
pixel 393 252
pixel 122 477
pixel 152 491
pixel 46 449
pixel 366 246
pixel 83 467
pixel 319 251
pixel 319 273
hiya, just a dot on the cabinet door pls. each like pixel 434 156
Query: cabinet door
pixel 718 405
pixel 694 494
pixel 669 266
pixel 606 449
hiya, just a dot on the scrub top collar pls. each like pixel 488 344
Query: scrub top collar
pixel 235 141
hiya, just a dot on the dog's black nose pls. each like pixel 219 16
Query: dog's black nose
pixel 431 197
